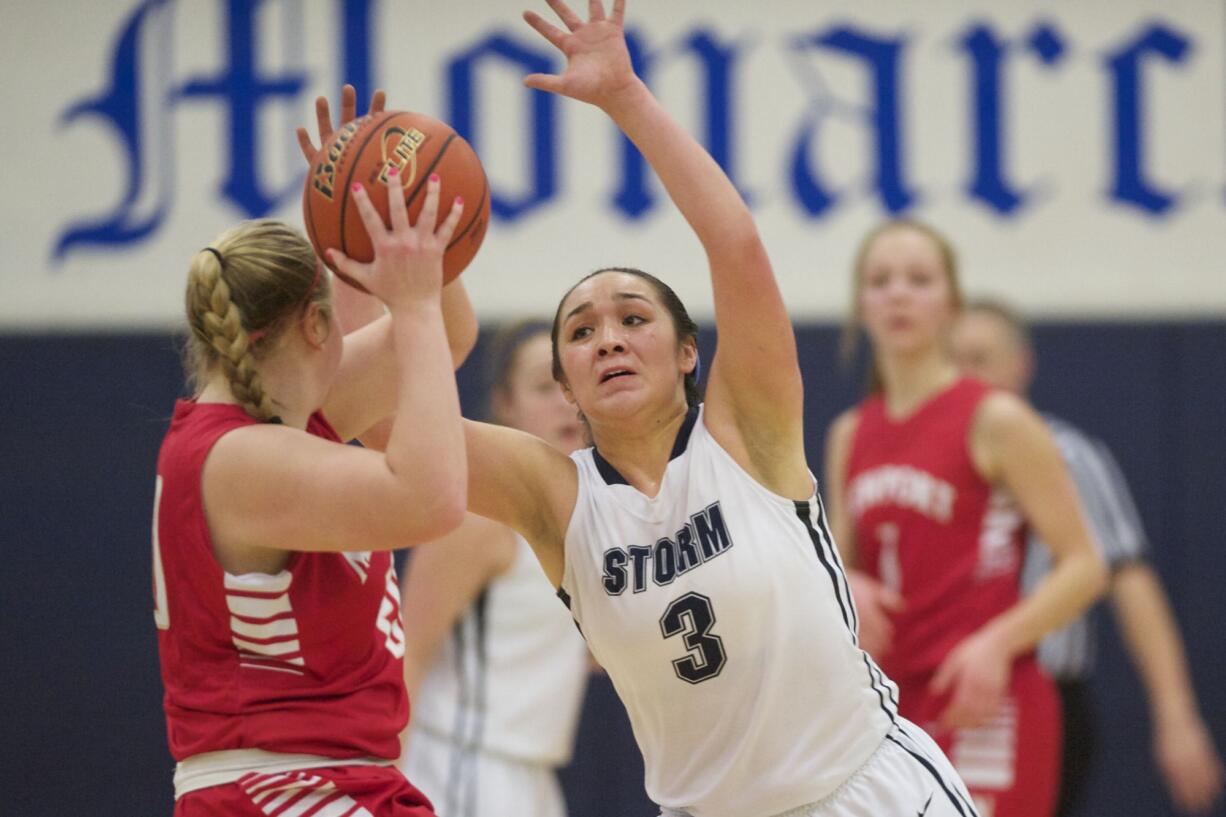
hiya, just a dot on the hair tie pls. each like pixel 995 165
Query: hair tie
pixel 220 259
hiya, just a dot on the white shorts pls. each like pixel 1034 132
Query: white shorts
pixel 471 783
pixel 908 776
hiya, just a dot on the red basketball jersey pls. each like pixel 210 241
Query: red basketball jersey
pixel 309 660
pixel 927 525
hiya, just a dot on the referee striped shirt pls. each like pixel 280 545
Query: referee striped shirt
pixel 1115 526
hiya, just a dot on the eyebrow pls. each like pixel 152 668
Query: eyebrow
pixel 621 296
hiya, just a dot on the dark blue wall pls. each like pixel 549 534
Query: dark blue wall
pixel 86 414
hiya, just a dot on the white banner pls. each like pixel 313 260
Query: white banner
pixel 1074 152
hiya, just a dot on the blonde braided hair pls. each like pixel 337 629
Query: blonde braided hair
pixel 240 291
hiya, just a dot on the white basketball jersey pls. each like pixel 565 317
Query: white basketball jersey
pixel 723 617
pixel 511 676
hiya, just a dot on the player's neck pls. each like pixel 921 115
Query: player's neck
pixel 908 382
pixel 641 450
pixel 285 390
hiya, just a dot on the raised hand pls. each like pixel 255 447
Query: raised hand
pixel 408 261
pixel 323 118
pixel 598 68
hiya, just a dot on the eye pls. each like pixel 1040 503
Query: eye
pixel 580 332
pixel 633 320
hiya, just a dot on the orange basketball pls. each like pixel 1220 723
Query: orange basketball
pixel 363 151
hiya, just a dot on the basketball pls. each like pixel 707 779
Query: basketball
pixel 363 151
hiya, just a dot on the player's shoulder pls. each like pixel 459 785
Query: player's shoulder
pixel 843 428
pixel 1074 442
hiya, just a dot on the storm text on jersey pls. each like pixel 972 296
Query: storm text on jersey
pixel 703 538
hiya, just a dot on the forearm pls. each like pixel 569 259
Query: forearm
pixel 1066 592
pixel 1151 635
pixel 694 181
pixel 460 321
pixel 426 444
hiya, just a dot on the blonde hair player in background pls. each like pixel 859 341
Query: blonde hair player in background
pixel 932 480
pixel 991 342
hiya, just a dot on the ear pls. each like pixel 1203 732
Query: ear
pixel 689 356
pixel 1028 366
pixel 315 325
pixel 567 393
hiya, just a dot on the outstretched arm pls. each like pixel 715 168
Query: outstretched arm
pixel 754 395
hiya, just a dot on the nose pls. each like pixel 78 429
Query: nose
pixel 610 341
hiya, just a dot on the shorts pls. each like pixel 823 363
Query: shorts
pixel 475 783
pixel 340 791
pixel 1011 764
pixel 906 777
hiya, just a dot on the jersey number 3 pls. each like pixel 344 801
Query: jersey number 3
pixel 691 616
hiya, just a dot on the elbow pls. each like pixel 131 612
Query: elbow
pixel 451 511
pixel 446 511
pixel 429 511
pixel 463 344
pixel 1097 576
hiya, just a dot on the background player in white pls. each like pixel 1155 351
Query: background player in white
pixel 991 342
pixel 494 659
pixel 689 541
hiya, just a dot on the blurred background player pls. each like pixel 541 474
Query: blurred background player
pixel 487 644
pixel 992 342
pixel 932 480
pixel 276 600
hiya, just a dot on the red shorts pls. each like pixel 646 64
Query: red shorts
pixel 339 791
pixel 1011 763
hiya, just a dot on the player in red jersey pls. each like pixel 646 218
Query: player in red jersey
pixel 276 600
pixel 931 481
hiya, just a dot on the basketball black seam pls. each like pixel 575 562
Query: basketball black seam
pixel 485 191
pixel 352 169
pixel 438 157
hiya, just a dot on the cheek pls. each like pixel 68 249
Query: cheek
pixel 870 304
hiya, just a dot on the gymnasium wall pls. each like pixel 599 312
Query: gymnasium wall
pixel 1075 153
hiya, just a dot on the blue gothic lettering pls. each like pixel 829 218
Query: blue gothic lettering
pixel 1131 184
pixel 462 71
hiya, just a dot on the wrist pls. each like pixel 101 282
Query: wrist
pixel 626 99
pixel 995 635
pixel 1175 716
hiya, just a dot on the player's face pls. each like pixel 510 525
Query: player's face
pixel 618 348
pixel 905 295
pixel 533 400
pixel 986 347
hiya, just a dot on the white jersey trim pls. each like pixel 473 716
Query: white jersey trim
pixel 228 766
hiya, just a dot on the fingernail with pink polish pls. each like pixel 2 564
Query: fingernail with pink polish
pixel 459 200
pixel 357 187
pixel 393 171
pixel 434 177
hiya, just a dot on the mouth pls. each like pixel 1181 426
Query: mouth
pixel 613 374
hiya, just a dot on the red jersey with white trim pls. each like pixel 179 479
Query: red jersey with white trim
pixel 309 660
pixel 928 526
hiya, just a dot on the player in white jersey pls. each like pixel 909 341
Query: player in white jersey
pixel 689 541
pixel 494 661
